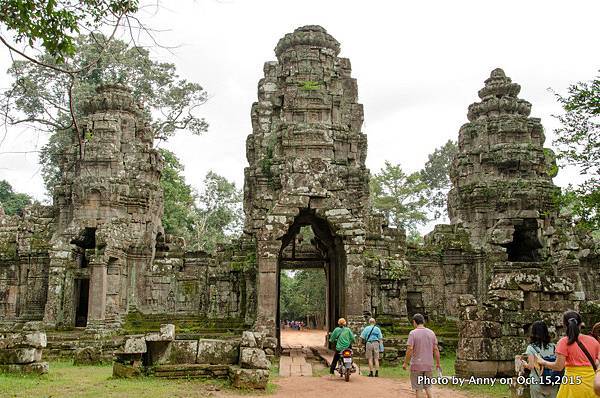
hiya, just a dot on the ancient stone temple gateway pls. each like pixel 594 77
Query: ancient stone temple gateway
pixel 98 257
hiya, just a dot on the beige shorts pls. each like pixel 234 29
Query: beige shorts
pixel 372 351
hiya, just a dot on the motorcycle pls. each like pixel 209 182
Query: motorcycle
pixel 345 364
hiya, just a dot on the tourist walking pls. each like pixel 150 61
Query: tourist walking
pixel 541 346
pixel 343 338
pixel 578 354
pixel 422 348
pixel 373 338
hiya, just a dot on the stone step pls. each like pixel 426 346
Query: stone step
pixel 191 370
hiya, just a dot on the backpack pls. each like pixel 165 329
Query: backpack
pixel 554 376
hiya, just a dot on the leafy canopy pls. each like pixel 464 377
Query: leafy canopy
pixel 56 23
pixel 399 196
pixel 435 175
pixel 302 295
pixel 12 202
pixel 578 143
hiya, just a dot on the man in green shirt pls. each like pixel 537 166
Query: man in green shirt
pixel 343 338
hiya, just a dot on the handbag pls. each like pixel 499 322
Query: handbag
pixel 554 376
pixel 381 348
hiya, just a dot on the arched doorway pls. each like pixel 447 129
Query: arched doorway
pixel 321 250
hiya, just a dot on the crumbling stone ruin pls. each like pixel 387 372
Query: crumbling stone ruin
pixel 99 259
pixel 21 352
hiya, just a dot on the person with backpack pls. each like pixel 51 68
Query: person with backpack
pixel 343 338
pixel 372 337
pixel 579 355
pixel 540 346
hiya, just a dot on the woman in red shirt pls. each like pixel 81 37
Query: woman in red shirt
pixel 571 355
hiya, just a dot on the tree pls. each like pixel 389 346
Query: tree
pixel 302 295
pixel 435 175
pixel 399 196
pixel 577 143
pixel 219 215
pixel 41 98
pixel 55 23
pixel 179 207
pixel 12 202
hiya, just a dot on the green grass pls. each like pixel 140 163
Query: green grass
pixel 66 380
pixel 447 362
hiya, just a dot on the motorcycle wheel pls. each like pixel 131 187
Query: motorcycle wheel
pixel 347 375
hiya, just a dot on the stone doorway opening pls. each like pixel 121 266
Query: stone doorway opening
pixel 312 251
pixel 82 293
pixel 525 243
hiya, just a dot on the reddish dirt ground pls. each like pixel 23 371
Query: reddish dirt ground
pixel 357 387
pixel 304 338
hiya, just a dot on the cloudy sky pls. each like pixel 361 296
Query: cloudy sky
pixel 419 65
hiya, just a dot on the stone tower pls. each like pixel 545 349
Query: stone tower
pixel 109 214
pixel 306 158
pixel 503 195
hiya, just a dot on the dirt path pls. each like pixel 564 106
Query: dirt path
pixel 302 338
pixel 357 387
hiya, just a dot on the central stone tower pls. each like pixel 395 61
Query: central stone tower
pixel 306 158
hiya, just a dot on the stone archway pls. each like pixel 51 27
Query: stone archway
pixel 329 254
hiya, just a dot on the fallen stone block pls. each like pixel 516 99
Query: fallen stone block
pixel 37 368
pixel 248 339
pixel 253 358
pixel 248 378
pixel 23 340
pixel 123 371
pixel 167 333
pixel 183 351
pixel 214 351
pixel 20 356
pixel 134 345
pixel 87 356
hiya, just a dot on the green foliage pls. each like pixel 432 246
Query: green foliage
pixel 577 143
pixel 399 196
pixel 179 207
pixel 39 97
pixel 55 23
pixel 12 202
pixel 302 294
pixel 435 175
pixel 310 85
pixel 219 216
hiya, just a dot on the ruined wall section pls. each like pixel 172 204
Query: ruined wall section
pixel 24 261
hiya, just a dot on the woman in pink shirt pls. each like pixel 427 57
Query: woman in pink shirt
pixel 579 355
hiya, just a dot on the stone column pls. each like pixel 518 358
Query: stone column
pixel 97 294
pixel 267 293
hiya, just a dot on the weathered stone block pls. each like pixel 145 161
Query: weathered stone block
pixel 253 358
pixel 37 368
pixel 124 371
pixel 167 333
pixel 22 340
pixel 135 345
pixel 217 352
pixel 20 356
pixel 248 378
pixel 183 351
pixel 87 356
pixel 248 339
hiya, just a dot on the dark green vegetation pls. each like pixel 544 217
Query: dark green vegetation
pixel 410 200
pixel 578 143
pixel 55 24
pixel 136 323
pixel 12 202
pixel 303 296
